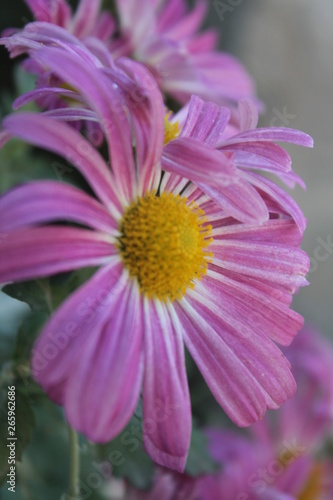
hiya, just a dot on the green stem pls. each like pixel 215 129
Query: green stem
pixel 74 471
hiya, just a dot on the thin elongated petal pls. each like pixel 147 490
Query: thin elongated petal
pixel 38 252
pixel 80 317
pixel 285 203
pixel 166 402
pixel 205 121
pixel 147 112
pixel 102 98
pixel 272 134
pixel 42 92
pixel 60 138
pixel 252 307
pixel 267 261
pixel 72 114
pixel 104 385
pixel 262 155
pixel 245 376
pixel 197 162
pixel 239 200
pixel 48 201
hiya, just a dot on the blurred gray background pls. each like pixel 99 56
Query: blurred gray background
pixel 288 47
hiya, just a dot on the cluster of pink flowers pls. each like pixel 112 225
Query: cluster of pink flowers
pixel 194 244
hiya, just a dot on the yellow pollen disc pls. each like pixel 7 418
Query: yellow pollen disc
pixel 171 130
pixel 163 244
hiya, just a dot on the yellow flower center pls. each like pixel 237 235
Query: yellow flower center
pixel 163 241
pixel 171 129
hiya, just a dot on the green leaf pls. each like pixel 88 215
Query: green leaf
pixel 35 293
pixel 27 334
pixel 199 460
pixel 45 295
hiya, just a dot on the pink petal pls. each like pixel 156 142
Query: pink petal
pixel 104 100
pixel 60 138
pixel 251 306
pixel 285 203
pixel 41 92
pixel 239 200
pixel 246 376
pixel 104 384
pixel 146 105
pixel 197 162
pixel 205 121
pixel 272 261
pixel 166 401
pixel 81 316
pixel 272 134
pixel 43 251
pixel 48 201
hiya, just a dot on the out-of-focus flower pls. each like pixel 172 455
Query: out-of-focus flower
pixel 174 267
pixel 87 21
pixel 280 460
pixel 164 36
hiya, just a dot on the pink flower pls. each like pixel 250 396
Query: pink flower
pixel 164 36
pixel 279 460
pixel 173 267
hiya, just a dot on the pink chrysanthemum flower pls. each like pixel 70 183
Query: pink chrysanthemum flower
pixel 164 36
pixel 174 268
pixel 280 461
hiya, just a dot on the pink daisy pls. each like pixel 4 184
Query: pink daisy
pixel 173 267
pixel 279 460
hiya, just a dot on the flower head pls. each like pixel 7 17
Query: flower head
pixel 280 457
pixel 174 265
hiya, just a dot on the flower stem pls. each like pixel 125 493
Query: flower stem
pixel 74 471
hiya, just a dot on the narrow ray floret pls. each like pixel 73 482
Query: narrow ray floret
pixel 175 266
